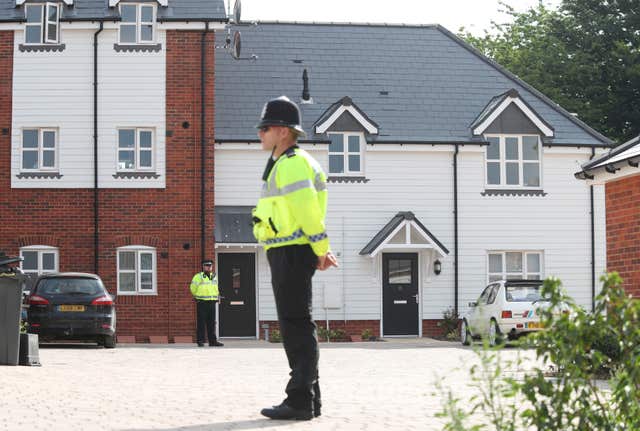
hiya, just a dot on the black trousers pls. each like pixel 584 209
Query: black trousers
pixel 292 268
pixel 206 318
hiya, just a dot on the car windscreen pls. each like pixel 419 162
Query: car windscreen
pixel 523 293
pixel 69 286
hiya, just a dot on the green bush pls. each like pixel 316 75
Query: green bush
pixel 367 334
pixel 449 324
pixel 580 345
pixel 275 337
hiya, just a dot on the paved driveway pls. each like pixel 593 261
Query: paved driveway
pixel 365 386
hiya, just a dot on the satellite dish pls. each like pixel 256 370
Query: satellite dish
pixel 236 12
pixel 237 45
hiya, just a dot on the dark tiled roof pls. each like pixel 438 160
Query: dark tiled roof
pixel 384 233
pixel 418 83
pixel 233 225
pixel 627 153
pixel 210 10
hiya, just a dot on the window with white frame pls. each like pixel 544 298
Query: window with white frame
pixel 346 153
pixel 39 148
pixel 39 259
pixel 513 161
pixel 514 265
pixel 135 149
pixel 136 270
pixel 137 23
pixel 43 23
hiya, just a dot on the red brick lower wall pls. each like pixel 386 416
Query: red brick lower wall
pixel 623 231
pixel 430 328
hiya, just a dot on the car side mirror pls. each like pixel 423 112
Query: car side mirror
pixel 473 304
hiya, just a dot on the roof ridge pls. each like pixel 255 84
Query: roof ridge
pixel 341 23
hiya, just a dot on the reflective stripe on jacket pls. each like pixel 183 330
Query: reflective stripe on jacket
pixel 293 204
pixel 204 288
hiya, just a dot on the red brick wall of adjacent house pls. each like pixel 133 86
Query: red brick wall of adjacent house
pixel 623 231
pixel 167 219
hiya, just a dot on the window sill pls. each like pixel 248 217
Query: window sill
pixel 135 175
pixel 512 192
pixel 137 294
pixel 347 180
pixel 137 47
pixel 39 175
pixel 45 47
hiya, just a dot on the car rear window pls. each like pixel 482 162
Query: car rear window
pixel 523 293
pixel 69 286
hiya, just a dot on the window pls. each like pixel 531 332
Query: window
pixel 513 161
pixel 43 23
pixel 38 259
pixel 515 265
pixel 137 23
pixel 136 270
pixel 135 149
pixel 346 153
pixel 39 149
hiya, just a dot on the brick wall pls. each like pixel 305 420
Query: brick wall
pixel 623 231
pixel 430 327
pixel 168 219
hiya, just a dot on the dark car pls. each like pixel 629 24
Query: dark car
pixel 72 306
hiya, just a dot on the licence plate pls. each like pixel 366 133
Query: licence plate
pixel 71 307
pixel 535 325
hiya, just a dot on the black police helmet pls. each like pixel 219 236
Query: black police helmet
pixel 207 262
pixel 281 112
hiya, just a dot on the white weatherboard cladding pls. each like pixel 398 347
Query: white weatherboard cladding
pixel 557 224
pixel 420 179
pixel 55 89
pixel 356 213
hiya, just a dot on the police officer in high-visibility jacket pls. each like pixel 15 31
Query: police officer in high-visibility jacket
pixel 289 222
pixel 204 288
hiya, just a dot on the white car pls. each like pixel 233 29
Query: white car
pixel 506 308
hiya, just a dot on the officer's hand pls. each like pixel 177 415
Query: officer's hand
pixel 327 261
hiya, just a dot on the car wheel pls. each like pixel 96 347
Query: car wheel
pixel 109 341
pixel 495 337
pixel 465 334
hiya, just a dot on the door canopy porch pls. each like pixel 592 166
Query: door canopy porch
pixel 404 231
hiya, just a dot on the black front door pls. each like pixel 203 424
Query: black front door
pixel 400 294
pixel 237 282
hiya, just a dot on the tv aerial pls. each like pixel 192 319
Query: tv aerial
pixel 233 44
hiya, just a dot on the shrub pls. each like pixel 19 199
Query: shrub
pixel 449 324
pixel 275 337
pixel 580 345
pixel 367 334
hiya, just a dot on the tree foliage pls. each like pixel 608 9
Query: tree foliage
pixel 585 56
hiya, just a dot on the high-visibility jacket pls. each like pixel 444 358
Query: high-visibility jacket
pixel 293 203
pixel 204 288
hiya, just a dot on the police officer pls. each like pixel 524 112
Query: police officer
pixel 289 222
pixel 204 288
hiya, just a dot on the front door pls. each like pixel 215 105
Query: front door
pixel 400 294
pixel 237 282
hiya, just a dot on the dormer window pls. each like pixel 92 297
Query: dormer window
pixel 137 25
pixel 346 153
pixel 43 24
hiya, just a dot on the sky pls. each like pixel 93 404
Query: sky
pixel 474 15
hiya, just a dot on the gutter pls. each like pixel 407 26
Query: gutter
pixel 593 244
pixel 95 150
pixel 455 228
pixel 202 139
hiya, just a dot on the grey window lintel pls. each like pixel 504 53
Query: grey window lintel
pixel 137 47
pixel 45 47
pixel 512 192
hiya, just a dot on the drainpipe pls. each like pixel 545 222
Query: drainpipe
pixel 95 148
pixel 202 139
pixel 455 226
pixel 593 244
